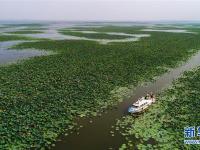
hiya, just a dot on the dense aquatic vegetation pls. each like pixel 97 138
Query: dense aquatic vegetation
pixel 2 27
pixel 40 97
pixel 25 32
pixel 168 26
pixel 14 38
pixel 139 28
pixel 194 29
pixel 24 25
pixel 94 35
pixel 34 28
pixel 164 122
pixel 128 29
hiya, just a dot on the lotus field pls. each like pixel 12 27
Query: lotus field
pixel 162 126
pixel 41 97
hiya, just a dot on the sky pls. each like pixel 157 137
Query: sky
pixel 100 10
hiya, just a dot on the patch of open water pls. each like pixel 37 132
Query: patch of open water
pixel 10 56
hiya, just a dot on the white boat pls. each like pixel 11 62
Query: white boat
pixel 141 105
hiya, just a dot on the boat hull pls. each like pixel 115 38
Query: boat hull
pixel 133 109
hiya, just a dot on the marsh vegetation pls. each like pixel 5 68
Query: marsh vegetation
pixel 161 127
pixel 41 97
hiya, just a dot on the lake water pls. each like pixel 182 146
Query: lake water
pixel 8 56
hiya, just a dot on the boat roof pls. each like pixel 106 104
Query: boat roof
pixel 141 102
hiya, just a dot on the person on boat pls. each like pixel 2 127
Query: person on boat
pixel 147 96
pixel 152 96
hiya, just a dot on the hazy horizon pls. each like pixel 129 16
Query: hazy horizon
pixel 100 10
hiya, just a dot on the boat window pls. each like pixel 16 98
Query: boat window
pixel 135 106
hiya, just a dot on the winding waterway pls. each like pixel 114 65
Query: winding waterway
pixel 95 134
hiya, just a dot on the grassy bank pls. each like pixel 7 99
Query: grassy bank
pixel 164 122
pixel 41 97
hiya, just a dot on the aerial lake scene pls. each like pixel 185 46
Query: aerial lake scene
pixel 99 75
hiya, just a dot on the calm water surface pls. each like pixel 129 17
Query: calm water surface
pixel 8 56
